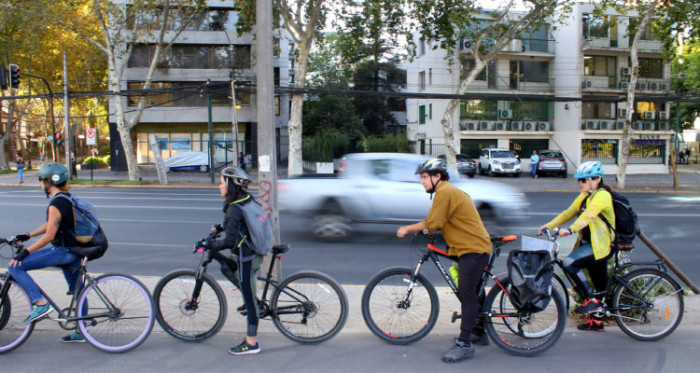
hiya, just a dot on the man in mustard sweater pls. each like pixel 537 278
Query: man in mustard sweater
pixel 454 214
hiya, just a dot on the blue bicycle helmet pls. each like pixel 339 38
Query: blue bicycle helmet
pixel 589 169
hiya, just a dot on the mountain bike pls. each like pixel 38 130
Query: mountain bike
pixel 646 303
pixel 114 312
pixel 306 307
pixel 401 306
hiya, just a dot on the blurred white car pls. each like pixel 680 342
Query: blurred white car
pixel 383 187
pixel 188 161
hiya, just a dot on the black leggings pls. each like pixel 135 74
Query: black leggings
pixel 583 258
pixel 471 267
pixel 245 279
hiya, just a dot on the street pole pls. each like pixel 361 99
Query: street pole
pixel 675 148
pixel 53 121
pixel 66 109
pixel 211 133
pixel 234 124
pixel 267 157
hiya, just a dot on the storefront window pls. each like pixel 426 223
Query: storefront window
pixel 647 151
pixel 604 151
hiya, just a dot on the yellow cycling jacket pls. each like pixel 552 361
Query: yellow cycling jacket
pixel 600 203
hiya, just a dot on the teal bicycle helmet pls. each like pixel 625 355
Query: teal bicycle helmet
pixel 56 173
pixel 589 169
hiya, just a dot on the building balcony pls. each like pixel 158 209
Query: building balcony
pixel 504 125
pixel 521 47
pixel 615 84
pixel 617 125
pixel 611 45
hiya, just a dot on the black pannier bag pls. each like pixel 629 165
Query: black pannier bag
pixel 530 275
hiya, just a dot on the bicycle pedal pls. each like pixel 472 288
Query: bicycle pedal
pixel 455 316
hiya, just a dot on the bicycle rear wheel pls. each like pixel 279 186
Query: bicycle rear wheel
pixel 15 307
pixel 119 311
pixel 648 304
pixel 185 318
pixel 522 333
pixel 309 307
pixel 398 310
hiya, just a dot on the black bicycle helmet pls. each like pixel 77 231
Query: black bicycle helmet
pixel 237 175
pixel 56 173
pixel 433 166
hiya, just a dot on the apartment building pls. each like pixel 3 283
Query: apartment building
pixel 209 49
pixel 584 60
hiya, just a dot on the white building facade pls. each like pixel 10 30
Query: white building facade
pixel 209 49
pixel 519 105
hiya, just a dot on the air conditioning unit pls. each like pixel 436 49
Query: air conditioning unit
pixel 626 71
pixel 505 113
pixel 592 125
pixel 663 115
pixel 468 125
pixel 649 115
pixel 663 86
pixel 625 85
pixel 516 126
pixel 500 126
pixel 620 125
pixel 484 126
pixel 465 45
pixel 607 125
pixel 642 86
pixel 529 126
pixel 650 126
pixel 543 126
pixel 587 84
pixel 638 126
pixel 621 113
pixel 515 45
pixel 664 126
pixel 653 86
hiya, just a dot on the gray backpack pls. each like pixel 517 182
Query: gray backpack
pixel 259 227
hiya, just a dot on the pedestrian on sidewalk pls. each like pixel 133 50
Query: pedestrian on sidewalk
pixel 687 155
pixel 19 161
pixel 534 160
pixel 681 157
pixel 241 160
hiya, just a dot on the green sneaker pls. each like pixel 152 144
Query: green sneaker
pixel 244 349
pixel 38 312
pixel 74 337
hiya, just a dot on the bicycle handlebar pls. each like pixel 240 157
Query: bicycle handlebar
pixel 14 243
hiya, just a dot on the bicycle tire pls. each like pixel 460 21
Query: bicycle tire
pixel 116 332
pixel 386 314
pixel 666 298
pixel 16 305
pixel 174 311
pixel 522 334
pixel 319 317
pixel 559 286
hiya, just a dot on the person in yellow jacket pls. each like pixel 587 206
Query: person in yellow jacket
pixel 454 214
pixel 592 205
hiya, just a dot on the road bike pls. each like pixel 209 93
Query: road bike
pixel 646 303
pixel 306 307
pixel 401 306
pixel 114 312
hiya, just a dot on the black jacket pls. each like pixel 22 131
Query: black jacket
pixel 235 230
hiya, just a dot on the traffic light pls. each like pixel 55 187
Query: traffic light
pixel 3 78
pixel 57 138
pixel 14 76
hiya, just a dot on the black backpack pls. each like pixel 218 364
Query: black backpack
pixel 530 275
pixel 626 226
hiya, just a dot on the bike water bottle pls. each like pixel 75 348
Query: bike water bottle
pixel 454 272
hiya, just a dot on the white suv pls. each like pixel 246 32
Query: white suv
pixel 493 161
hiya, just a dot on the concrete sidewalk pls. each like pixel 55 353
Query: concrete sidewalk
pixel 53 283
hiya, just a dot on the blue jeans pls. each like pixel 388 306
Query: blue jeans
pixel 50 256
pixel 20 172
pixel 533 169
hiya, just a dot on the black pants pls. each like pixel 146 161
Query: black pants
pixel 471 267
pixel 245 278
pixel 581 259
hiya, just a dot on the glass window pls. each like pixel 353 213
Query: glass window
pixel 594 26
pixel 421 114
pixel 530 110
pixel 651 68
pixel 421 80
pixel 600 66
pixel 479 109
pixel 184 94
pixel 277 106
pixel 472 147
pixel 524 148
pixel 647 151
pixel 181 143
pixel 489 70
pixel 604 151
pixel 599 110
pixel 528 71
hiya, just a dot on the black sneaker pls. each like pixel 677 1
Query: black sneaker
pixel 244 349
pixel 592 325
pixel 590 305
pixel 460 351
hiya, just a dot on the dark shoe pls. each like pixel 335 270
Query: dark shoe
pixel 481 340
pixel 38 312
pixel 591 305
pixel 244 349
pixel 593 325
pixel 460 351
pixel 73 337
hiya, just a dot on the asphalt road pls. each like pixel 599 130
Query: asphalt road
pixel 152 230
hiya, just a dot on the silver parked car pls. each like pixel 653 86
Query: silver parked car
pixel 383 187
pixel 551 162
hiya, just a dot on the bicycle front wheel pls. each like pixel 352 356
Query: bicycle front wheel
pixel 119 313
pixel 15 307
pixel 309 307
pixel 397 309
pixel 648 304
pixel 185 315
pixel 522 333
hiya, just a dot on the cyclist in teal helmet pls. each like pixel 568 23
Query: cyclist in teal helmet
pixel 592 249
pixel 58 234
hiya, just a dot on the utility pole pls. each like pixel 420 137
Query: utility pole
pixel 211 133
pixel 267 157
pixel 234 124
pixel 66 105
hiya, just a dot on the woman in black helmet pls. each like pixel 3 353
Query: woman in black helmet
pixel 233 184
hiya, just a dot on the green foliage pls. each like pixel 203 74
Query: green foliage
pixel 687 65
pixel 388 143
pixel 95 161
pixel 325 145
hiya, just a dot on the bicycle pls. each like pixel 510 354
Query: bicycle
pixel 401 306
pixel 306 307
pixel 646 303
pixel 114 312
